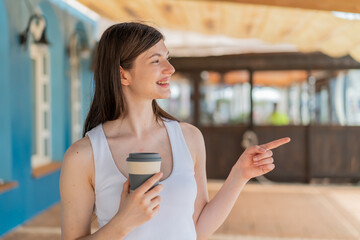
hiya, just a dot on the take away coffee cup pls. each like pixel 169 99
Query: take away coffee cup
pixel 141 167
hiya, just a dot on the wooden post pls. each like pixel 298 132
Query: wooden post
pixel 196 81
pixel 312 101
pixel 308 160
pixel 251 123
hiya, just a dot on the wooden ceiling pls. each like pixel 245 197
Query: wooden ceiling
pixel 307 24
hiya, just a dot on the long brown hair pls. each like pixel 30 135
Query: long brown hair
pixel 119 46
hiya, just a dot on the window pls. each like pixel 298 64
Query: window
pixel 225 98
pixel 353 98
pixel 344 98
pixel 41 109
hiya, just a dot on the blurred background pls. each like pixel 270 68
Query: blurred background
pixel 247 72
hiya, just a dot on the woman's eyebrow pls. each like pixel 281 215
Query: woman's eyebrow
pixel 158 54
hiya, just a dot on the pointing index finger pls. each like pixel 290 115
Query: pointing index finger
pixel 275 143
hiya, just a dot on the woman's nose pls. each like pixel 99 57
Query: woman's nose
pixel 169 69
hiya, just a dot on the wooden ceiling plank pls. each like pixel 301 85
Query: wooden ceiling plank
pixel 160 12
pixel 194 15
pixel 108 9
pixel 207 22
pixel 190 17
pixel 175 18
pixel 231 16
pixel 238 24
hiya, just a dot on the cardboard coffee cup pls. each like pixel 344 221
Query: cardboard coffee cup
pixel 141 167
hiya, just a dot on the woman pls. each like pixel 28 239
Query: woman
pixel 132 70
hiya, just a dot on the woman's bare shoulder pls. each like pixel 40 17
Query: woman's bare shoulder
pixel 80 154
pixel 193 138
pixel 190 131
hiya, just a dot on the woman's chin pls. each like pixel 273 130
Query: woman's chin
pixel 164 97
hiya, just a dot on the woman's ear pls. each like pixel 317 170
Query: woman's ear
pixel 124 75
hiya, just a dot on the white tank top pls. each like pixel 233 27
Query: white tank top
pixel 174 220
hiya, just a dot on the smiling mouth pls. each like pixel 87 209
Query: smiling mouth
pixel 163 82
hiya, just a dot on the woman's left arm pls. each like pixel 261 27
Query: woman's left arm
pixel 195 143
pixel 255 161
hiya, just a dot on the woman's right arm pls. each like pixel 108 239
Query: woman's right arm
pixel 78 198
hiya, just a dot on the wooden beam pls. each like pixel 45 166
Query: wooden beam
pixel 325 5
pixel 264 61
pixel 251 100
pixel 196 98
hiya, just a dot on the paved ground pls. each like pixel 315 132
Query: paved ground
pixel 262 212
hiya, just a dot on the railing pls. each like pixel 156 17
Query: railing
pixel 314 152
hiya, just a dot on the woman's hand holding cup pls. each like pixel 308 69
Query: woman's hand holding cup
pixel 141 205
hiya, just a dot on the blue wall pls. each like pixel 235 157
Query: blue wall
pixel 32 195
pixel 5 123
pixel 87 87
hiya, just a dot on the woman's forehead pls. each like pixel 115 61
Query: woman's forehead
pixel 158 48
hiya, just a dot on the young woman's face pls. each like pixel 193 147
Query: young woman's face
pixel 149 78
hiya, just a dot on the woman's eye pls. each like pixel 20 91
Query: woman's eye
pixel 157 61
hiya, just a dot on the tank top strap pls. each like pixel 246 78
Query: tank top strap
pixel 180 149
pixel 96 142
pixel 102 155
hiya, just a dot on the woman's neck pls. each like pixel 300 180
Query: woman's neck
pixel 139 119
